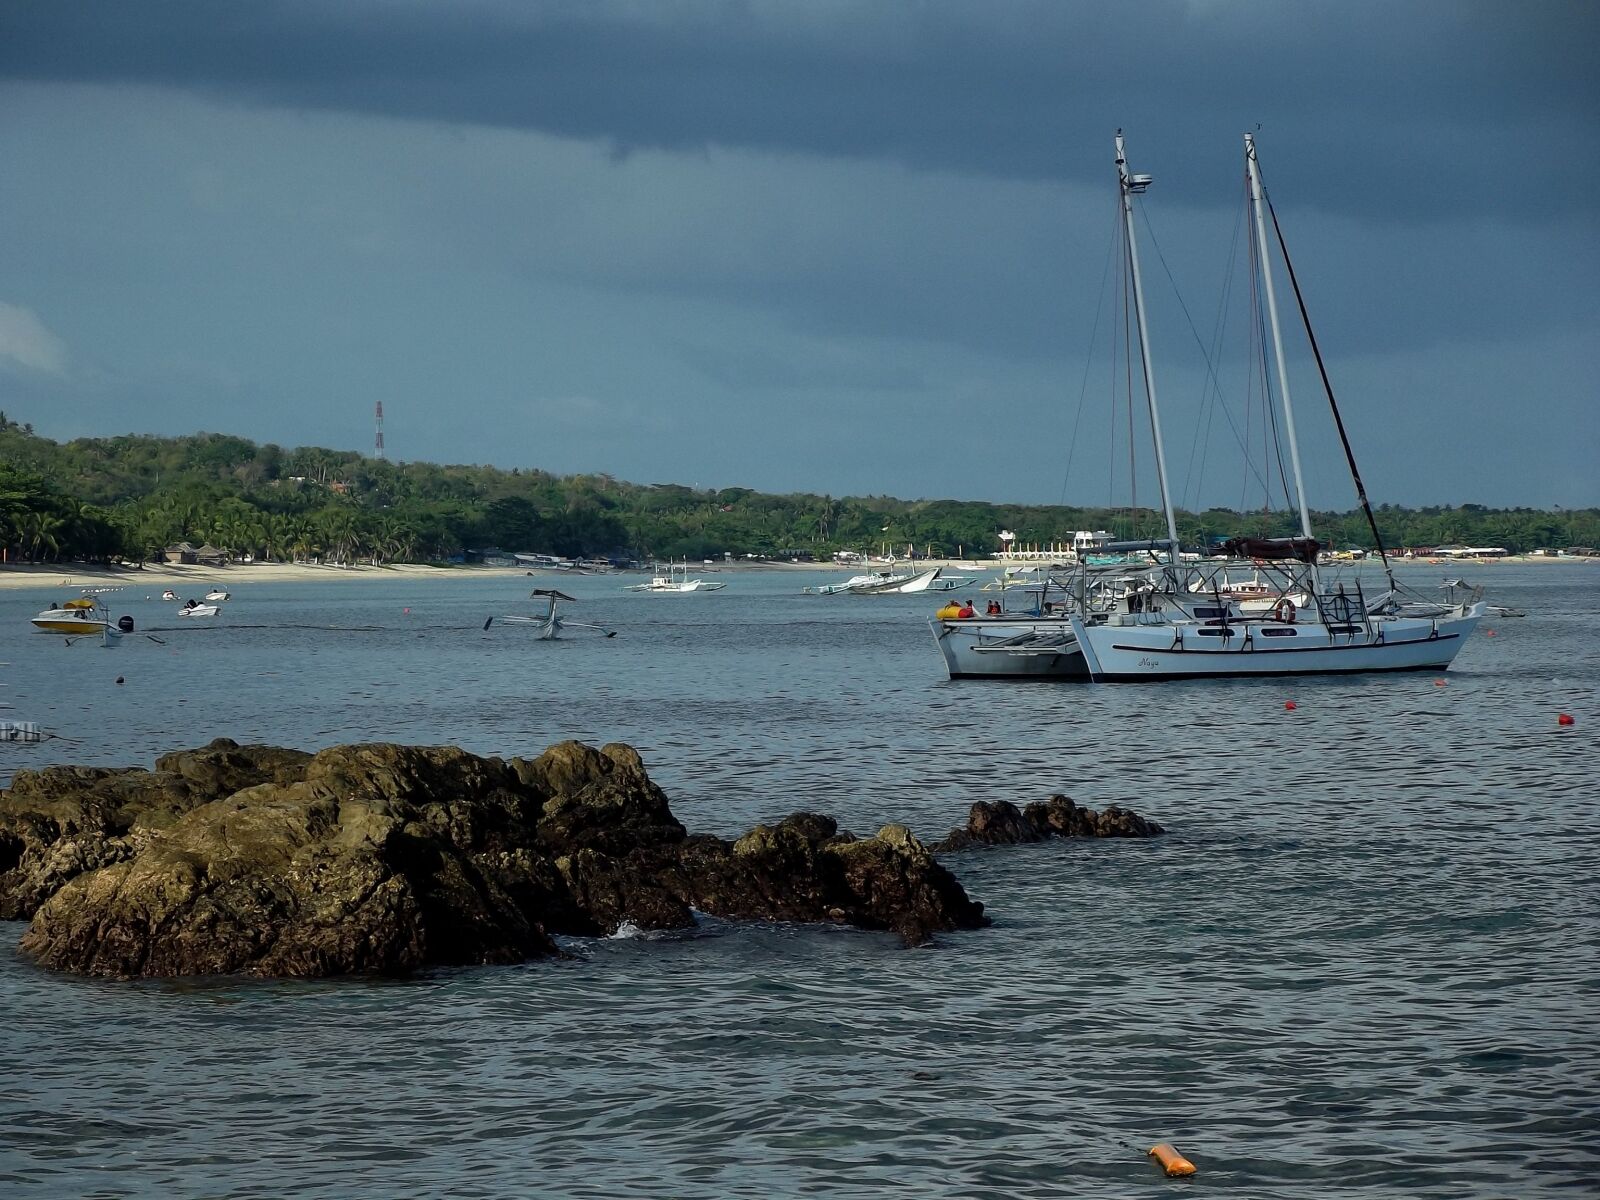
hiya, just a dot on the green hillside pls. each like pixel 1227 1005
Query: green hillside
pixel 129 497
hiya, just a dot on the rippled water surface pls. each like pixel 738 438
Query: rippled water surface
pixel 1361 963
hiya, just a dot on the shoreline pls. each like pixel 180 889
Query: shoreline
pixel 85 575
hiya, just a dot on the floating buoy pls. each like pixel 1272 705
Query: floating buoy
pixel 119 678
pixel 1488 633
pixel 1565 719
pixel 405 610
pixel 1438 683
pixel 1174 1164
pixel 1290 706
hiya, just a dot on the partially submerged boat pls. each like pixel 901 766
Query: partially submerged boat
pixel 547 624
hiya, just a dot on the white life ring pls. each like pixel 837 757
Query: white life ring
pixel 1285 611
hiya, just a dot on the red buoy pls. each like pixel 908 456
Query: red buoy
pixel 1565 719
pixel 1289 704
pixel 1488 632
pixel 1438 683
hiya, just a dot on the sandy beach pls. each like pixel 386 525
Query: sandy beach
pixel 197 578
pixel 193 578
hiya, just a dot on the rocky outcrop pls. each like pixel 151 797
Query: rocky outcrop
pixel 384 859
pixel 1001 823
pixel 60 822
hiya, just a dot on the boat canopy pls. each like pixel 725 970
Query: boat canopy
pixel 1302 548
pixel 551 592
pixel 85 603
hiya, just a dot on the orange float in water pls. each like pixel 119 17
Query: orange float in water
pixel 1289 705
pixel 1565 719
pixel 1174 1164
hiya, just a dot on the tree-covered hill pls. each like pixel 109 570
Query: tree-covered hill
pixel 129 497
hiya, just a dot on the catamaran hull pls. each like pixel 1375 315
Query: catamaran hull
pixel 1140 652
pixel 991 649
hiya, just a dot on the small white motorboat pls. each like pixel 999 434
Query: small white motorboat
pixel 169 594
pixel 193 608
pixel 215 595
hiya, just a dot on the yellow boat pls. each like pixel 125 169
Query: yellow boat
pixel 75 617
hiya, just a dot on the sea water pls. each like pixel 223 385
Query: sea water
pixel 1360 963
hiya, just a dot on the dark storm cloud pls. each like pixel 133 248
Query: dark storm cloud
pixel 1479 108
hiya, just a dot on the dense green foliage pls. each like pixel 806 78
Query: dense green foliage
pixel 129 497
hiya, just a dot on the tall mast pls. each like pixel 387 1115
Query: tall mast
pixel 1135 185
pixel 1257 205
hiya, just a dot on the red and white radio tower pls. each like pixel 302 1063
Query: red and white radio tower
pixel 378 445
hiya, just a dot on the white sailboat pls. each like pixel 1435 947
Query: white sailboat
pixel 1183 625
pixel 1179 620
pixel 1043 643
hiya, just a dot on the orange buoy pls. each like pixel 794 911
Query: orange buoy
pixel 1289 705
pixel 1489 632
pixel 1565 719
pixel 1174 1164
pixel 1438 683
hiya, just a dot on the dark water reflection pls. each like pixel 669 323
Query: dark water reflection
pixel 1361 964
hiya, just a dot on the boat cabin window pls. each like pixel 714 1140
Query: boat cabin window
pixel 1265 632
pixel 1202 613
pixel 1344 629
pixel 1214 631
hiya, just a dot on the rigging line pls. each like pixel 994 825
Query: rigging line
pixel 1275 449
pixel 1088 359
pixel 1210 358
pixel 1211 397
pixel 1327 386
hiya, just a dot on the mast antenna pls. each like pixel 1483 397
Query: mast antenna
pixel 377 447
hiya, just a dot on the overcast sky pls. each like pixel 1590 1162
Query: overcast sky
pixel 818 245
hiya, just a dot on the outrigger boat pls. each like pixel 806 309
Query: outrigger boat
pixel 548 624
pixel 675 580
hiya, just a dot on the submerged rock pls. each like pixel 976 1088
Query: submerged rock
pixel 1001 823
pixel 384 859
